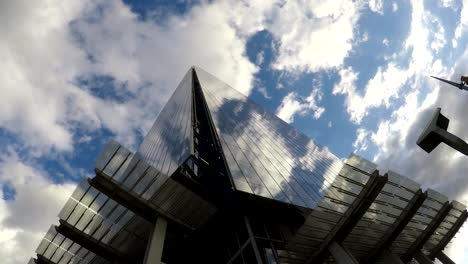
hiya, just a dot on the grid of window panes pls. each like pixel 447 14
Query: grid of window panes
pixel 58 249
pixel 447 224
pixel 119 166
pixel 265 155
pixel 420 221
pixel 131 172
pixel 380 219
pixel 95 215
pixel 168 144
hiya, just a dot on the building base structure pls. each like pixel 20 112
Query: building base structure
pixel 220 180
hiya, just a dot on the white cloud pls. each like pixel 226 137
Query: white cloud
pixel 386 42
pixel 312 103
pixel 456 250
pixel 313 36
pixel 365 37
pixel 362 142
pixel 293 104
pixel 438 35
pixel 376 6
pixel 449 3
pixel 394 7
pixel 262 90
pixel 426 36
pixel 260 58
pixel 330 124
pixel 289 107
pixel 463 24
pixel 40 100
pixel 24 220
pixel 384 86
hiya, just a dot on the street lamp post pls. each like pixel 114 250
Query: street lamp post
pixel 436 132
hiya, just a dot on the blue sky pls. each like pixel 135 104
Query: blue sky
pixel 353 75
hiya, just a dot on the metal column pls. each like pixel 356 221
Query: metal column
pixel 444 258
pixel 156 243
pixel 422 258
pixel 253 241
pixel 341 254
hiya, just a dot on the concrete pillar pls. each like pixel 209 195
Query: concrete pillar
pixel 422 258
pixel 155 246
pixel 444 258
pixel 389 258
pixel 341 254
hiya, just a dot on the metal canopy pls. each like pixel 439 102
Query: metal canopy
pixel 436 221
pixel 397 227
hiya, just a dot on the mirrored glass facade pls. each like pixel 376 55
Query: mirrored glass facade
pixel 265 155
pixel 236 184
pixel 169 142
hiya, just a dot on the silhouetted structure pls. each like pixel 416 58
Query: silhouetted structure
pixel 220 180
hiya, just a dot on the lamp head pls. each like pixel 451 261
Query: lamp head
pixel 430 138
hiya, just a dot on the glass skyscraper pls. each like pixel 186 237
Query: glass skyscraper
pixel 220 180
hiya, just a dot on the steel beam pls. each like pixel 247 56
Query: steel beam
pixel 450 234
pixel 94 245
pixel 444 258
pixel 341 254
pixel 426 234
pixel 363 201
pixel 422 258
pixel 132 202
pixel 399 225
pixel 253 241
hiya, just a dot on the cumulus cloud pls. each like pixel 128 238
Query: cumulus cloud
pixel 385 85
pixel 263 91
pixel 25 219
pixel 376 6
pixel 41 98
pixel 462 25
pixel 361 143
pixel 289 107
pixel 449 3
pixel 314 36
pixel 386 42
pixel 427 35
pixel 293 104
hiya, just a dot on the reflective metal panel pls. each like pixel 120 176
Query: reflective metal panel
pixel 139 178
pixel 267 156
pixel 169 141
pixel 444 227
pixel 419 222
pixel 383 214
pixel 98 216
pixel 61 250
